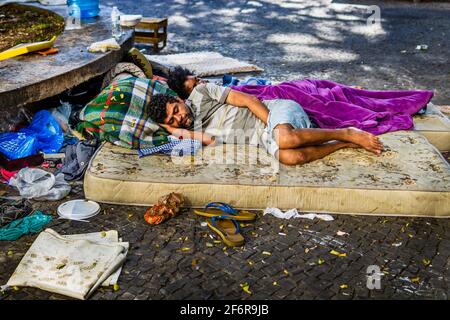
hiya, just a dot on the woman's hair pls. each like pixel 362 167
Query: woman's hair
pixel 176 80
pixel 157 108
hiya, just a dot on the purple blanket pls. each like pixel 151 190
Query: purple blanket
pixel 333 105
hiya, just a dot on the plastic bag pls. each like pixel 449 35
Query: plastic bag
pixel 62 115
pixel 38 184
pixel 47 131
pixel 43 134
pixel 15 145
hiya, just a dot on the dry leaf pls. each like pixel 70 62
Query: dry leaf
pixel 426 262
pixel 334 252
pixel 246 287
pixel 415 280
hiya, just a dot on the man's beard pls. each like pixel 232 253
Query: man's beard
pixel 188 121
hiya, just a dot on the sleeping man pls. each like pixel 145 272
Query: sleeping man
pixel 215 114
pixel 329 104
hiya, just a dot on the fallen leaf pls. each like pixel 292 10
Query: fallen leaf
pixel 334 252
pixel 60 266
pixel 415 280
pixel 116 287
pixel 103 234
pixel 250 262
pixel 246 287
pixel 426 262
pixel 343 286
pixel 286 272
pixel 267 253
pixel 194 262
pixel 184 249
pixel 321 261
pixel 15 288
pixel 217 241
pixel 209 245
pixel 10 253
pixel 275 283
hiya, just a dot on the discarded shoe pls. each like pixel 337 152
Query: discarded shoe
pixel 227 229
pixel 141 61
pixel 214 209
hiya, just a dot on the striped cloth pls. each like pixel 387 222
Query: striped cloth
pixel 118 114
pixel 175 147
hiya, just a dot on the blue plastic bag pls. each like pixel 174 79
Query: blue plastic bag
pixel 43 134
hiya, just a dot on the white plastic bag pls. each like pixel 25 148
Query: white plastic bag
pixel 38 184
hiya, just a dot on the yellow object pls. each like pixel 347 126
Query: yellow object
pixel 26 48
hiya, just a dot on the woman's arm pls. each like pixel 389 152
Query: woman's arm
pixel 244 100
pixel 205 138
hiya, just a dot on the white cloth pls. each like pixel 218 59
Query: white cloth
pixel 74 266
pixel 105 45
pixel 293 213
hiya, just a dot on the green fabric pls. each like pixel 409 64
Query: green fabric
pixel 118 114
pixel 31 224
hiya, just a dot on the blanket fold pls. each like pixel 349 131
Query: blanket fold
pixel 332 105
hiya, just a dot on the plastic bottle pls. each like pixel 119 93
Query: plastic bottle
pixel 116 28
pixel 88 8
pixel 73 20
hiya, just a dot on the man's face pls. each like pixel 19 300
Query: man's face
pixel 191 82
pixel 178 115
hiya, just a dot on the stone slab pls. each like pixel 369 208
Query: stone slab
pixel 32 77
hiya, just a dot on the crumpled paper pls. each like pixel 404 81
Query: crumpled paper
pixel 293 213
pixel 105 45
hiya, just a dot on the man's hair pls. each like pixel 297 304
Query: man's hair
pixel 176 80
pixel 156 109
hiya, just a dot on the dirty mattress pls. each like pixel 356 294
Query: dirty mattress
pixel 410 178
pixel 435 126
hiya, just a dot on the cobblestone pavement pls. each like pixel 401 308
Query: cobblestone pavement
pixel 282 259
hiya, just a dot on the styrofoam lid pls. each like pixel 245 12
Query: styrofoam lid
pixel 78 209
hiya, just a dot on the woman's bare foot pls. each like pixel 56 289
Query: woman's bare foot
pixel 364 139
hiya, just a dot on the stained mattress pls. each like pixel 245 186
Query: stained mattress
pixel 410 178
pixel 435 126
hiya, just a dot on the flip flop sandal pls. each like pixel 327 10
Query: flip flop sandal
pixel 141 61
pixel 214 209
pixel 227 229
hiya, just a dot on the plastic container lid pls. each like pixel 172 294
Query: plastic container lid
pixel 78 209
